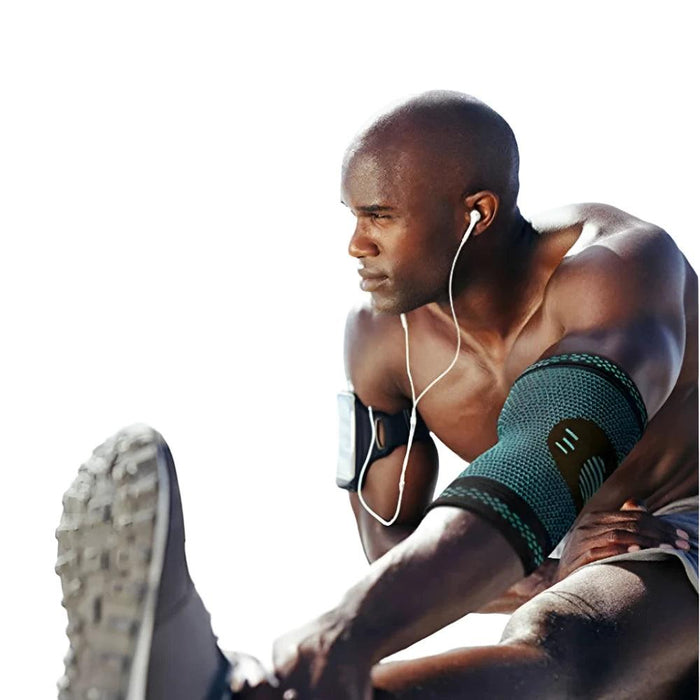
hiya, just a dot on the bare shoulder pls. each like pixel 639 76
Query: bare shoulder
pixel 619 267
pixel 588 217
pixel 373 357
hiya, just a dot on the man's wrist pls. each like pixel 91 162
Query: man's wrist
pixel 345 649
pixel 356 635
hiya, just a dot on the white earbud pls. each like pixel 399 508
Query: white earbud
pixel 474 218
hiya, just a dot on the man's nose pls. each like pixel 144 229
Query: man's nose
pixel 361 245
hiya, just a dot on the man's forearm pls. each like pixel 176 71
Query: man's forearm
pixel 454 563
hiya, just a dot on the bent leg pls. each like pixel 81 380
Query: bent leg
pixel 625 630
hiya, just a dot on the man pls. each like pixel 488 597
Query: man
pixel 571 343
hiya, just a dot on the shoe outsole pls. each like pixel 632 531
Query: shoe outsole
pixel 111 544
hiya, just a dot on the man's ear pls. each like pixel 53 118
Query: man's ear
pixel 486 204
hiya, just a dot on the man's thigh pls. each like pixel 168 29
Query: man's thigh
pixel 623 629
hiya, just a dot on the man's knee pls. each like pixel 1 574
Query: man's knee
pixel 600 623
pixel 565 627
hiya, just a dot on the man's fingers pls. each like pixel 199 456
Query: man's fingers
pixel 605 534
pixel 622 546
pixel 589 556
pixel 635 523
pixel 644 539
pixel 621 537
pixel 599 553
pixel 248 672
pixel 596 554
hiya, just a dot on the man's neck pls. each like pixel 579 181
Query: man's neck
pixel 499 284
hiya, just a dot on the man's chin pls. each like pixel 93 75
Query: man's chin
pixel 391 307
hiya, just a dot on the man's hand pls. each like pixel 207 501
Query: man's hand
pixel 319 661
pixel 601 535
pixel 250 680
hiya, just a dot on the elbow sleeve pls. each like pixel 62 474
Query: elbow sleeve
pixel 567 423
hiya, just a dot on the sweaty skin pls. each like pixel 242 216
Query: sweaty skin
pixel 586 278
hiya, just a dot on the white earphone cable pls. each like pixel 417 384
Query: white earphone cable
pixel 413 419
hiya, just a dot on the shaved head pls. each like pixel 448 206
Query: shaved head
pixel 458 143
pixel 413 179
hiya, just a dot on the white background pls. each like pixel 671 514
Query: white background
pixel 174 252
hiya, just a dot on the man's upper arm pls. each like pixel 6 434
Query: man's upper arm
pixel 572 417
pixel 373 344
pixel 623 299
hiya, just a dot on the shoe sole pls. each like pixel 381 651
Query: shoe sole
pixel 111 545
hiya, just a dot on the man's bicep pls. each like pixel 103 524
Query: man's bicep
pixel 380 491
pixel 379 413
pixel 371 346
pixel 381 484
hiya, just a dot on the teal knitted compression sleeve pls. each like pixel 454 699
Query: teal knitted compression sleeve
pixel 566 425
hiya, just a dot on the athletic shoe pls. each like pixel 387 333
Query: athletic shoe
pixel 136 625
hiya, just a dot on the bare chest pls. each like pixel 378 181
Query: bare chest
pixel 462 409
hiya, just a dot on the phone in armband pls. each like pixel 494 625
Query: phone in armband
pixel 346 470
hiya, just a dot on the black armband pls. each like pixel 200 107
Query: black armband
pixel 355 437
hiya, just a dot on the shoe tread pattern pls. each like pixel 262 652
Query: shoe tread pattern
pixel 104 551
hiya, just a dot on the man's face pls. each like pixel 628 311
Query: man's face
pixel 407 229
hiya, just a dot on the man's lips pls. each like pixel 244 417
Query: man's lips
pixel 371 280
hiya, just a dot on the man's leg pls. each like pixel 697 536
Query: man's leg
pixel 137 627
pixel 624 630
